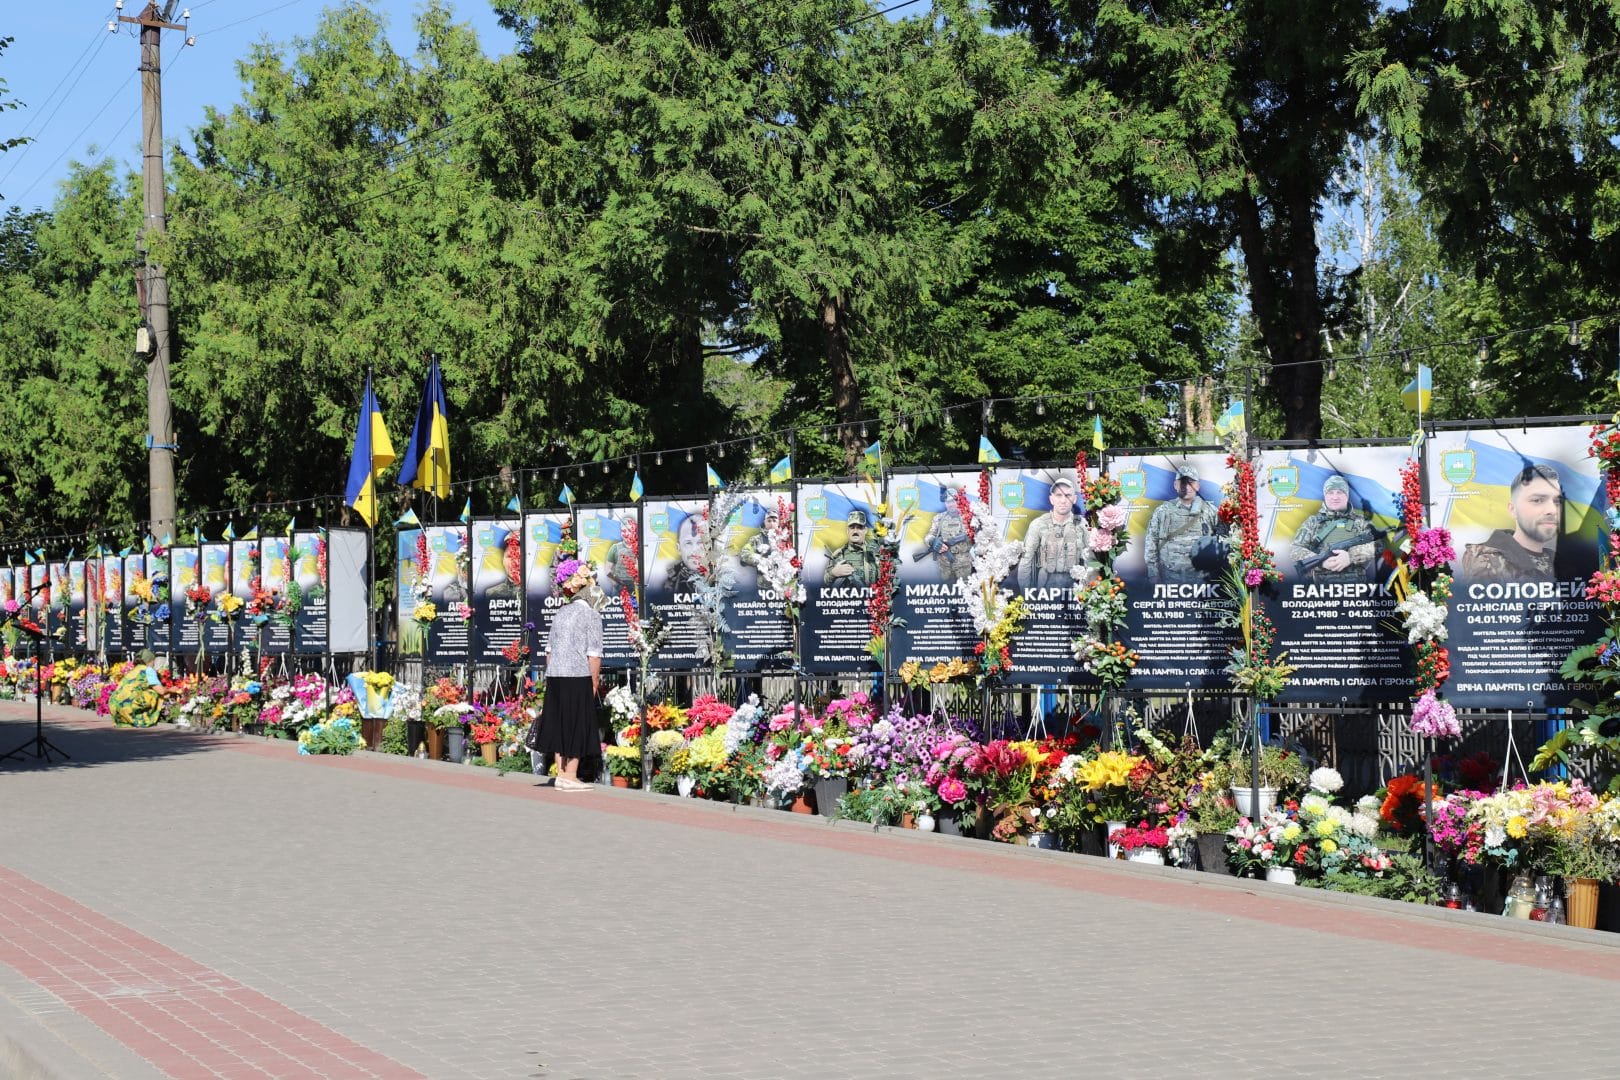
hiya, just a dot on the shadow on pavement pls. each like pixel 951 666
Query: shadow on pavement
pixel 90 741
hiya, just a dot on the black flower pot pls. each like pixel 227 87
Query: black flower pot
pixel 1212 853
pixel 828 792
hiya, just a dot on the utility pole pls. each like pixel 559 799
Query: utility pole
pixel 153 342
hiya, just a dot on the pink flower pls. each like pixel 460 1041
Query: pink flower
pixel 11 607
pixel 1102 540
pixel 1253 577
pixel 952 790
pixel 1111 518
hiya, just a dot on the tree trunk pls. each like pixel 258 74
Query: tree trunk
pixel 846 392
pixel 1286 305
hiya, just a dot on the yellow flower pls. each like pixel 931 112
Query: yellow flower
pixel 1108 769
pixel 1517 827
pixel 1329 847
pixel 230 603
pixel 1325 827
pixel 1291 832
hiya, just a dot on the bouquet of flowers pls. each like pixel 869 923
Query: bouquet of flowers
pixel 1106 779
pixel 333 736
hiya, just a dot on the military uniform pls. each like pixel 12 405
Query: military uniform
pixel 619 571
pixel 1326 531
pixel 1052 549
pixel 861 558
pixel 1173 534
pixel 947 540
pixel 1502 558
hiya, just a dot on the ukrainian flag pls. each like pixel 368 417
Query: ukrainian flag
pixel 1096 433
pixel 988 454
pixel 782 471
pixel 635 487
pixel 373 452
pixel 873 457
pixel 1419 391
pixel 427 455
pixel 1232 420
pixel 567 495
pixel 715 483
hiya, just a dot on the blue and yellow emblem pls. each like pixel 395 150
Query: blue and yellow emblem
pixel 1457 466
pixel 1132 484
pixel 1012 494
pixel 908 497
pixel 658 523
pixel 815 507
pixel 592 527
pixel 1283 480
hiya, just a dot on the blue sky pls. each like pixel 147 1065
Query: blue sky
pixel 78 81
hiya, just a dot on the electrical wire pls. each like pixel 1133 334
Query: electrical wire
pixel 96 43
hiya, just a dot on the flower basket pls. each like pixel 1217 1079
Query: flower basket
pixel 1583 902
pixel 435 743
pixel 1281 875
pixel 490 752
pixel 1246 800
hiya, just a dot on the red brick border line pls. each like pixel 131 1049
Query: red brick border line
pixel 186 1019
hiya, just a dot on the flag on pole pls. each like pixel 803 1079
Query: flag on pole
pixel 409 519
pixel 230 530
pixel 28 557
pixel 1096 433
pixel 466 512
pixel 1420 391
pixel 196 534
pixel 715 483
pixel 782 471
pixel 292 523
pixel 426 464
pixel 873 456
pixel 168 541
pixel 252 534
pixel 635 487
pixel 1232 420
pixel 146 544
pixel 515 505
pixel 567 495
pixel 373 452
pixel 988 454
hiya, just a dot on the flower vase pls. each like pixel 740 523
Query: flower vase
pixel 908 820
pixel 621 781
pixel 458 744
pixel 1151 856
pixel 490 752
pixel 804 802
pixel 1250 806
pixel 1582 894
pixel 950 824
pixel 829 789
pixel 435 743
pixel 925 822
pixel 1110 829
pixel 685 785
pixel 1212 853
pixel 1281 875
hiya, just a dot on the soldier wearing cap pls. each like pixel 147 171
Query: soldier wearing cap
pixel 1337 531
pixel 1525 552
pixel 1175 531
pixel 1054 544
pixel 856 562
pixel 947 541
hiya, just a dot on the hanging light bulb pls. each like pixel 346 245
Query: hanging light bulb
pixel 1144 393
pixel 1575 335
pixel 1091 402
pixel 1406 361
pixel 902 425
pixel 1040 406
pixel 720 450
pixel 582 472
pixel 604 468
pixel 1484 353
pixel 658 458
pixel 689 455
pixel 1330 367
pixel 863 432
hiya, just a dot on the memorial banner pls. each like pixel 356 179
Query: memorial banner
pixel 839 548
pixel 542 536
pixel 760 637
pixel 935 553
pixel 185 636
pixel 275 574
pixel 1329 515
pixel 410 554
pixel 135 616
pixel 218 634
pixel 674 562
pixel 1171 567
pixel 497 576
pixel 61 625
pixel 307 595
pixel 79 627
pixel 1041 508
pixel 244 573
pixel 1525 509
pixel 8 586
pixel 112 604
pixel 449 637
pixel 601 543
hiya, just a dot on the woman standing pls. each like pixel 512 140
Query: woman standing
pixel 573 678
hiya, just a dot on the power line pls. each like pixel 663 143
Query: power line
pixel 73 142
pixel 250 18
pixel 96 43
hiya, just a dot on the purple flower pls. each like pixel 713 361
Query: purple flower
pixel 1254 577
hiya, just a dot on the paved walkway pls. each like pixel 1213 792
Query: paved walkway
pixel 195 906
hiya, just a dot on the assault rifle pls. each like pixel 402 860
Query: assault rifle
pixel 936 547
pixel 1304 566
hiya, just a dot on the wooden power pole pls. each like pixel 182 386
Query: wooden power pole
pixel 155 348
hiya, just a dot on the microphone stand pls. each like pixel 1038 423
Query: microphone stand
pixel 39 747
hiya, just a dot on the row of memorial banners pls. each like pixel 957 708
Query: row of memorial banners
pixel 1516 611
pixel 1515 615
pixel 94 605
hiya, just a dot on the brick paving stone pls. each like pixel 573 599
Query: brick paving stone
pixel 460 925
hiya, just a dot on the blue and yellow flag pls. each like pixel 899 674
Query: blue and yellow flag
pixel 251 534
pixel 373 452
pixel 515 505
pixel 230 530
pixel 567 495
pixel 409 519
pixel 1420 391
pixel 146 544
pixel 782 471
pixel 28 558
pixel 988 454
pixel 873 456
pixel 715 483
pixel 1232 420
pixel 292 523
pixel 635 487
pixel 466 512
pixel 1096 433
pixel 427 457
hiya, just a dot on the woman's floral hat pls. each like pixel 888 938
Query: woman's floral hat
pixel 565 571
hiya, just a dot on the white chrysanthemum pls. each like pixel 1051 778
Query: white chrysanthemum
pixel 1363 825
pixel 1326 780
pixel 1369 804
pixel 1314 805
pixel 1425 619
pixel 1339 816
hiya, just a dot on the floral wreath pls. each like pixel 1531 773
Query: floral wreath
pixel 1102 595
pixel 1424 585
pixel 998 615
pixel 1251 566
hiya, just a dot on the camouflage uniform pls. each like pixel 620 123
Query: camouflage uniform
pixel 1173 534
pixel 862 558
pixel 1326 531
pixel 1052 550
pixel 1502 558
pixel 947 541
pixel 619 571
